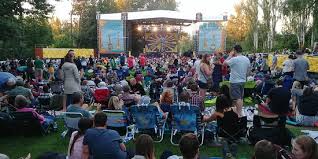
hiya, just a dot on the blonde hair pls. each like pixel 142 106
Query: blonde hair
pixel 115 103
pixel 296 85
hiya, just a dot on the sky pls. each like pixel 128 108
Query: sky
pixel 206 7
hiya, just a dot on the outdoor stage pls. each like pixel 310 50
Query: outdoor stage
pixel 157 31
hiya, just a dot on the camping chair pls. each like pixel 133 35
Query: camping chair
pixel 26 124
pixel 117 120
pixel 5 124
pixel 56 87
pixel 271 129
pixel 101 96
pixel 232 132
pixel 71 122
pixel 147 119
pixel 186 119
pixel 45 104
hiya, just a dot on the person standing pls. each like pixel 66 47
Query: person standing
pixel 38 65
pixel 274 63
pixel 70 77
pixel 239 66
pixel 142 60
pixel 122 59
pixel 288 66
pixel 301 66
pixel 205 74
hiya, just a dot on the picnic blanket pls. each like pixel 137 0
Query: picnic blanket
pixel 248 84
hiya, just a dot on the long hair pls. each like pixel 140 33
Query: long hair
pixel 144 146
pixel 308 145
pixel 222 102
pixel 205 59
pixel 83 125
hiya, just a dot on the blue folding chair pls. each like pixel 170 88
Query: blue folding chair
pixel 71 120
pixel 117 120
pixel 147 118
pixel 185 119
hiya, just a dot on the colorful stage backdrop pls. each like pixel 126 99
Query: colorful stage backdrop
pixel 161 42
pixel 111 36
pixel 211 38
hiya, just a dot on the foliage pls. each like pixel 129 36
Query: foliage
pixel 22 28
pixel 237 26
pixel 186 43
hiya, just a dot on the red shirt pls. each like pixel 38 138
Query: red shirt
pixel 224 67
pixel 130 62
pixel 142 61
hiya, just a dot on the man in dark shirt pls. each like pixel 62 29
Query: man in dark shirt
pixel 278 99
pixel 102 143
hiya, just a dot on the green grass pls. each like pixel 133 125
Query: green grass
pixel 16 147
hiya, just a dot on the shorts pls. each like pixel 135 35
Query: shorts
pixel 237 90
pixel 202 85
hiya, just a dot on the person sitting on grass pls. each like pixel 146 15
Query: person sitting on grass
pixel 100 142
pixel 266 150
pixel 307 110
pixel 75 147
pixel 144 148
pixel 277 102
pixel 189 146
pixel 224 110
pixel 76 106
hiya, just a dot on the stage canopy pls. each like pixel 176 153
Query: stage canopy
pixel 158 16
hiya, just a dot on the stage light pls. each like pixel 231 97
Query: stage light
pixel 168 29
pixel 155 29
pixel 139 28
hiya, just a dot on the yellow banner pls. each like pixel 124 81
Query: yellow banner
pixel 61 52
pixel 313 67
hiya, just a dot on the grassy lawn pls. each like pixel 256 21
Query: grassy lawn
pixel 16 147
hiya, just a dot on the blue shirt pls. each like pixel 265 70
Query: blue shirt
pixel 77 109
pixel 239 66
pixel 300 69
pixel 104 143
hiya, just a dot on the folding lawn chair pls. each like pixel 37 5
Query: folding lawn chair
pixel 117 120
pixel 101 96
pixel 70 122
pixel 271 129
pixel 186 119
pixel 26 124
pixel 232 131
pixel 5 124
pixel 147 119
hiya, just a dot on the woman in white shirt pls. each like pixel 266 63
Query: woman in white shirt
pixel 75 148
pixel 288 66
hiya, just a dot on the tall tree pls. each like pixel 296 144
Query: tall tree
pixel 238 25
pixel 298 14
pixel 251 9
pixel 16 16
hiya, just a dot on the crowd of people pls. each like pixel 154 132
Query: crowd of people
pixel 117 83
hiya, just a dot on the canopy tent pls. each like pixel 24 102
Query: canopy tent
pixel 160 14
